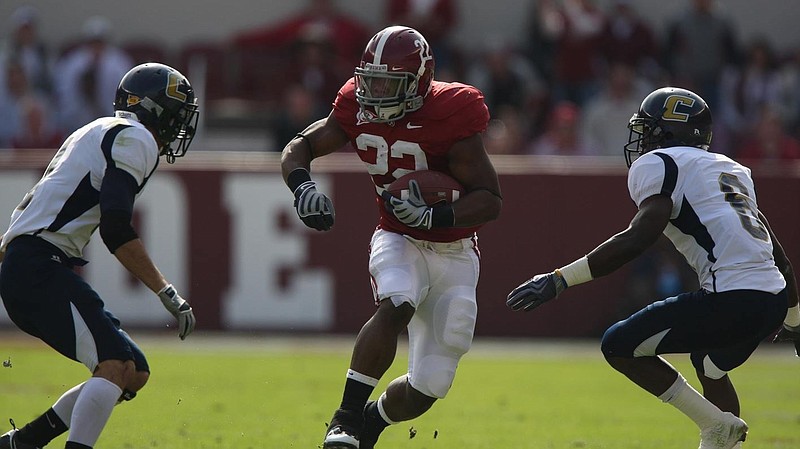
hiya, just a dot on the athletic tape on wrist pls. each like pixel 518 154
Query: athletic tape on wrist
pixel 577 272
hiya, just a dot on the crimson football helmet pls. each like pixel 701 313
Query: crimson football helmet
pixel 395 74
pixel 164 102
pixel 668 117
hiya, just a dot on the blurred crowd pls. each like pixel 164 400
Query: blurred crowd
pixel 568 88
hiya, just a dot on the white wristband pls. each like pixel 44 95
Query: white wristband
pixel 793 316
pixel 577 272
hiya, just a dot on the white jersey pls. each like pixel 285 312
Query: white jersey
pixel 714 221
pixel 63 207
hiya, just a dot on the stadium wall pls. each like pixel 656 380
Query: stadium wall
pixel 222 228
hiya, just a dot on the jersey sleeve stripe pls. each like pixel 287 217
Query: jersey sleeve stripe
pixel 108 143
pixel 670 174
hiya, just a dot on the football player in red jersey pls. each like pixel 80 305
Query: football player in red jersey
pixel 424 260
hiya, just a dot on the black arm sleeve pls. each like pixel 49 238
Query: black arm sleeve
pixel 116 208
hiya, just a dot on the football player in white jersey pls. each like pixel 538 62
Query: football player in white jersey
pixel 705 204
pixel 92 183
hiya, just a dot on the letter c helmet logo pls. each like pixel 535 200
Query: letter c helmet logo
pixel 671 105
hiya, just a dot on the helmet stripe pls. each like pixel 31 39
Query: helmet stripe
pixel 424 56
pixel 380 46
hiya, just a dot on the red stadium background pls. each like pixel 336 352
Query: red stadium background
pixel 222 228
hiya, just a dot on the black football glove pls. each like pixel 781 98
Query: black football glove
pixel 536 291
pixel 412 212
pixel 789 333
pixel 314 208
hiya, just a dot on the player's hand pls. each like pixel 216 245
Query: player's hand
pixel 413 211
pixel 788 333
pixel 536 291
pixel 179 308
pixel 314 208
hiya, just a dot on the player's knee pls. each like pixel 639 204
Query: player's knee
pixel 118 372
pixel 138 381
pixel 434 376
pixel 456 321
pixel 705 367
pixel 613 343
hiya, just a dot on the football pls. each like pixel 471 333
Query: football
pixel 436 186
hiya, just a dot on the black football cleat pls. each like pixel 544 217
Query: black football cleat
pixel 9 441
pixel 344 431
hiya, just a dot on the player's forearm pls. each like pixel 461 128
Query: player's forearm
pixel 616 252
pixel 644 230
pixel 133 256
pixel 294 157
pixel 475 208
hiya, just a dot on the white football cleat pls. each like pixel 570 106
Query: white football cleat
pixel 340 438
pixel 726 433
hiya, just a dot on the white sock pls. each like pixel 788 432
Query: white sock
pixel 92 410
pixel 363 378
pixel 382 411
pixel 64 405
pixel 691 403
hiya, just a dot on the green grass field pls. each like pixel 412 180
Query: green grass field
pixel 278 393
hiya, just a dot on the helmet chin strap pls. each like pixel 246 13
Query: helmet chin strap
pixel 166 151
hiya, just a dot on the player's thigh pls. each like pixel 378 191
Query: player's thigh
pixel 31 284
pixel 397 269
pixel 442 329
pixel 755 316
pixel 62 310
pixel 97 331
pixel 450 308
pixel 688 323
pixel 641 333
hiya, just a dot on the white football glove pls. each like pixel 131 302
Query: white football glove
pixel 313 207
pixel 413 211
pixel 179 308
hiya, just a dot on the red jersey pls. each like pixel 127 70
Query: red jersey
pixel 421 140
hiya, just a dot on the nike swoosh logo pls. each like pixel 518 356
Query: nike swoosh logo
pixel 410 126
pixel 50 422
